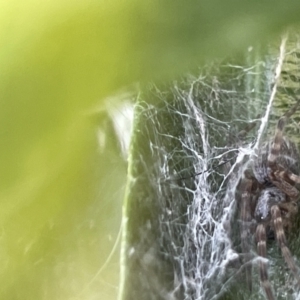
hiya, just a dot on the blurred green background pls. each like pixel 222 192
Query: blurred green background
pixel 61 193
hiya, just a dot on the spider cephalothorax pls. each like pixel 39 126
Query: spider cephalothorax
pixel 269 200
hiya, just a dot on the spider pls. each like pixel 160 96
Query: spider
pixel 269 199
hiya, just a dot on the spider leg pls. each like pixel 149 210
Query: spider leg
pixel 278 139
pixel 238 139
pixel 287 174
pixel 248 184
pixel 262 251
pixel 280 179
pixel 246 219
pixel 293 109
pixel 242 134
pixel 281 239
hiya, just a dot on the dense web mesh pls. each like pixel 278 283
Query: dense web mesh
pixel 197 136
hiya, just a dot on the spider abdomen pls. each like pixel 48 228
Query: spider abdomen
pixel 267 198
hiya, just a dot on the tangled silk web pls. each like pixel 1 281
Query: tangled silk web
pixel 198 136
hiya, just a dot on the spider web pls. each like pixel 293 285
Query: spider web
pixel 196 137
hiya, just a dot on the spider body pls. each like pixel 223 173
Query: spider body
pixel 285 157
pixel 269 200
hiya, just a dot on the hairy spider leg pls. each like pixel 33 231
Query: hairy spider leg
pixel 248 185
pixel 280 179
pixel 263 266
pixel 281 239
pixel 281 173
pixel 237 139
pixel 242 134
pixel 278 139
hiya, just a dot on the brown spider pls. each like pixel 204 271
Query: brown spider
pixel 269 196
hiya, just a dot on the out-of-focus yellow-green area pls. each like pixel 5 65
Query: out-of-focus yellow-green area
pixel 60 194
